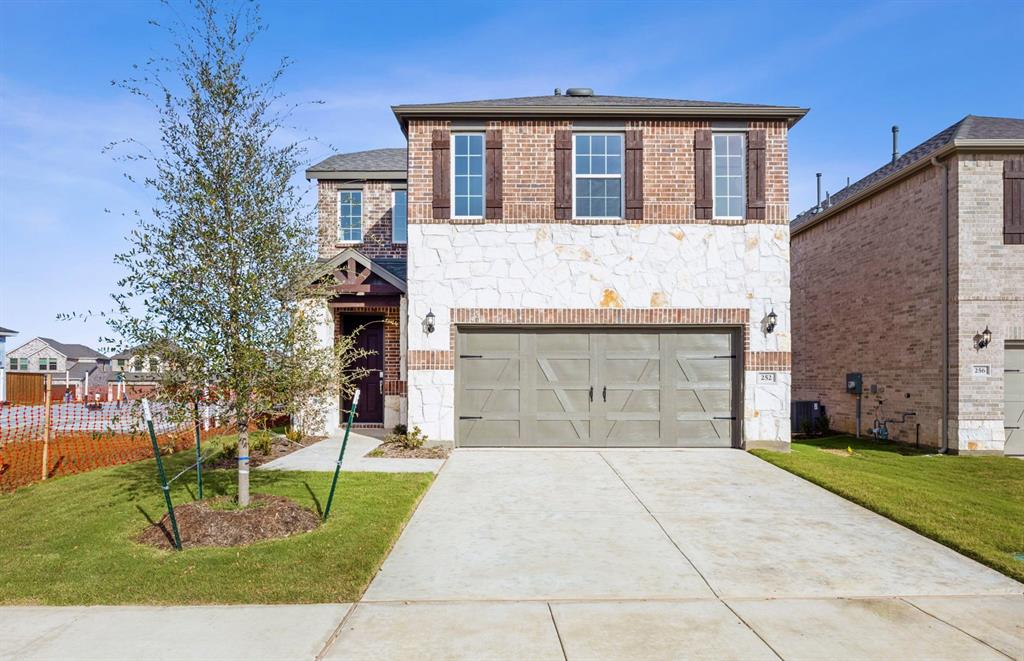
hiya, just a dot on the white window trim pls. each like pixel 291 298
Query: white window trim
pixel 394 194
pixel 483 177
pixel 622 175
pixel 714 176
pixel 350 242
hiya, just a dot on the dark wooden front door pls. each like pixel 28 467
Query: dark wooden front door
pixel 369 335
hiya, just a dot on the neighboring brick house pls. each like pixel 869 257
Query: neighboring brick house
pixel 869 294
pixel 582 270
pixel 74 367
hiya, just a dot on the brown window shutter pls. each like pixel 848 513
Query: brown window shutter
pixel 1013 202
pixel 756 141
pixel 563 174
pixel 441 147
pixel 634 174
pixel 703 173
pixel 492 163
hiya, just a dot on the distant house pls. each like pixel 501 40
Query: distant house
pixel 136 372
pixel 4 334
pixel 74 367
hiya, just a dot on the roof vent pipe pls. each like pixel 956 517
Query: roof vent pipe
pixel 579 91
pixel 895 142
pixel 818 203
pixel 558 91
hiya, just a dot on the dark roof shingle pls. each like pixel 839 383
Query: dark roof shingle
pixel 389 160
pixel 74 351
pixel 971 127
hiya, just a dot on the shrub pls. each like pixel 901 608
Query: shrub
pixel 409 440
pixel 824 424
pixel 294 435
pixel 261 442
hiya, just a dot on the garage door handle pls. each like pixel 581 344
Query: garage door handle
pixel 724 417
pixel 591 393
pixel 471 417
pixel 604 393
pixel 467 355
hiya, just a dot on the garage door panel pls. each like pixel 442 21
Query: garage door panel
pixel 635 388
pixel 1013 392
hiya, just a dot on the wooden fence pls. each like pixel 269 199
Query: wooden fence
pixel 25 388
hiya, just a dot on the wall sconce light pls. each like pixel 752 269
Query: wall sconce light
pixel 985 338
pixel 428 323
pixel 770 321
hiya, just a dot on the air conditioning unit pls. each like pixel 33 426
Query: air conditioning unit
pixel 805 411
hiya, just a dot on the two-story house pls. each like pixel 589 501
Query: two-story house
pixel 569 270
pixel 913 279
pixel 74 367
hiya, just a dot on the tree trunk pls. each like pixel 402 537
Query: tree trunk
pixel 243 461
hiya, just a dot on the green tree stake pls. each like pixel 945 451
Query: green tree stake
pixel 199 455
pixel 341 455
pixel 160 470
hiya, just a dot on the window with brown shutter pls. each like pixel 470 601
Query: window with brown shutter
pixel 703 174
pixel 563 174
pixel 756 141
pixel 441 148
pixel 1013 202
pixel 493 166
pixel 634 174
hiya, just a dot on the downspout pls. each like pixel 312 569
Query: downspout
pixel 945 303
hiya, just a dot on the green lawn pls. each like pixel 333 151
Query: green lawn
pixel 70 540
pixel 972 504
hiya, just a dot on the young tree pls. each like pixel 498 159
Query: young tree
pixel 218 274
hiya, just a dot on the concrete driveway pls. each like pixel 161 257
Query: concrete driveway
pixel 662 554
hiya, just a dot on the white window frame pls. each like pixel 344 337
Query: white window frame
pixel 622 175
pixel 483 174
pixel 714 175
pixel 394 205
pixel 341 240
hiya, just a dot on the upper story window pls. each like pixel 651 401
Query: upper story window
pixel 48 364
pixel 154 365
pixel 18 363
pixel 468 174
pixel 597 175
pixel 350 216
pixel 399 217
pixel 730 175
pixel 121 362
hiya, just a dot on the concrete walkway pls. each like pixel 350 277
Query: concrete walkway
pixel 601 555
pixel 322 456
pixel 666 554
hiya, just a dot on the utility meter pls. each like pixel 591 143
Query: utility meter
pixel 854 383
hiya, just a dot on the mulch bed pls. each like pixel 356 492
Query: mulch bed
pixel 397 451
pixel 199 524
pixel 279 447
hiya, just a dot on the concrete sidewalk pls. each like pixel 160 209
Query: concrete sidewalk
pixel 617 554
pixel 323 456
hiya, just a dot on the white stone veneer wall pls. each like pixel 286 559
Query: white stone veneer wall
pixel 575 266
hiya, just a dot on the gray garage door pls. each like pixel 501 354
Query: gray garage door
pixel 1013 388
pixel 595 388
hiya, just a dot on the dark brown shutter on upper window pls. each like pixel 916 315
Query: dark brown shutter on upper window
pixel 494 169
pixel 634 174
pixel 441 149
pixel 703 173
pixel 1013 202
pixel 563 174
pixel 756 141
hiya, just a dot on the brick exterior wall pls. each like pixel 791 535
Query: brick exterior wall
pixel 376 219
pixel 867 297
pixel 529 181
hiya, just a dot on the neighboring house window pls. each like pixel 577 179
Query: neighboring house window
pixel 468 174
pixel 154 365
pixel 730 179
pixel 597 175
pixel 350 216
pixel 121 362
pixel 14 363
pixel 137 364
pixel 19 363
pixel 399 217
pixel 48 364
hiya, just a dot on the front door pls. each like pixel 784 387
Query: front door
pixel 368 331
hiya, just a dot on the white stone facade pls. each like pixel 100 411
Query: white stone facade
pixel 548 265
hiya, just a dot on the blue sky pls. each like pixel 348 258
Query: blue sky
pixel 860 67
